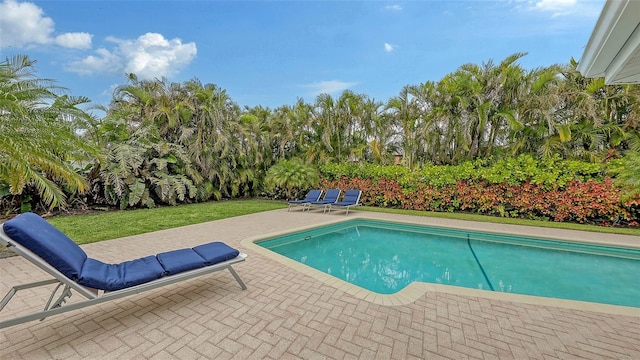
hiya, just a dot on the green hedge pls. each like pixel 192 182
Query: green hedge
pixel 550 172
pixel 551 189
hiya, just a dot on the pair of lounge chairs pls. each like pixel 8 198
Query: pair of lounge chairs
pixel 48 248
pixel 330 201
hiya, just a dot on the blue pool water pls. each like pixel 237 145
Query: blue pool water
pixel 385 257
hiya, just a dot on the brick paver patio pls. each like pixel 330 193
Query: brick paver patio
pixel 287 314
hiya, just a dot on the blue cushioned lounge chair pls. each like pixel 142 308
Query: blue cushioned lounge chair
pixel 313 195
pixel 330 197
pixel 351 198
pixel 45 246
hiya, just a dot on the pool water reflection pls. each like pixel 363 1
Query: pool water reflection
pixel 385 257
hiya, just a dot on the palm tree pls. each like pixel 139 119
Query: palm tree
pixel 165 105
pixel 427 101
pixel 37 136
pixel 403 110
pixel 536 125
pixel 379 129
pixel 350 127
pixel 486 95
pixel 627 175
pixel 292 174
pixel 287 128
pixel 214 137
pixel 326 129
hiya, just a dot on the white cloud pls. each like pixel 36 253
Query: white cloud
pixel 554 5
pixel 393 7
pixel 388 47
pixel 78 40
pixel 566 7
pixel 104 61
pixel 24 24
pixel 330 87
pixel 149 56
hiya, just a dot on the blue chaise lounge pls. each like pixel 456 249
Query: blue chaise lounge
pixel 313 195
pixel 45 246
pixel 330 197
pixel 351 198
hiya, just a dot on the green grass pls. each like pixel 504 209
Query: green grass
pixel 115 224
pixel 85 229
pixel 513 221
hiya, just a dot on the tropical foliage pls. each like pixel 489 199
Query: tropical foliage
pixel 548 172
pixel 39 143
pixel 159 142
pixel 291 175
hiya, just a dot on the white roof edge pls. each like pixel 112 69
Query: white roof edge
pixel 615 72
pixel 605 36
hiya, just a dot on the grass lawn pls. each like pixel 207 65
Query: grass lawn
pixel 115 224
pixel 85 229
pixel 501 220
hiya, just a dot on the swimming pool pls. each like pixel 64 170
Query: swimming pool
pixel 385 257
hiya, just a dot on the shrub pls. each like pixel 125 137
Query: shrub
pixel 552 189
pixel 291 175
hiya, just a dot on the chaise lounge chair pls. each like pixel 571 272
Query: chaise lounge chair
pixel 45 246
pixel 351 198
pixel 330 197
pixel 313 195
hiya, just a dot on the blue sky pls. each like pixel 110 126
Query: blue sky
pixel 270 53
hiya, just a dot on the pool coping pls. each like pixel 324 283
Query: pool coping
pixel 416 290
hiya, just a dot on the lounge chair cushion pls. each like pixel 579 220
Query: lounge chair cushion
pixel 177 261
pixel 216 252
pixel 111 277
pixel 330 197
pixel 303 201
pixel 43 239
pixel 351 197
pixel 312 195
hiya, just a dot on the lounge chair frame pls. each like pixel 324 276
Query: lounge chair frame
pixel 93 296
pixel 324 203
pixel 306 200
pixel 342 205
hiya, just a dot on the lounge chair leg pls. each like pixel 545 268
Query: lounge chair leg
pixel 235 275
pixel 63 308
pixel 66 293
pixel 15 289
pixel 7 297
